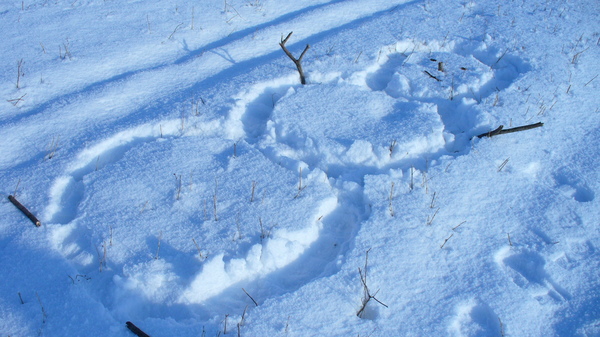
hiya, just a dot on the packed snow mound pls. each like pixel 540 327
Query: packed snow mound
pixel 352 126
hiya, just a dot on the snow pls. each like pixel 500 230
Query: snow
pixel 188 183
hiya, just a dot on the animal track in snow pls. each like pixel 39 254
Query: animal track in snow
pixel 573 187
pixel 475 318
pixel 527 270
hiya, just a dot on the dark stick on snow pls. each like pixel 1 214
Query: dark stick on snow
pixel 136 330
pixel 435 78
pixel 297 61
pixel 500 130
pixel 25 211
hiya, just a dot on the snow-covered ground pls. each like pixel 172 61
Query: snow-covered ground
pixel 188 183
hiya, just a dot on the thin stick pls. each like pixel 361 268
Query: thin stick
pixel 16 101
pixel 253 189
pixel 458 225
pixel 21 298
pixel 175 30
pixel 500 130
pixel 590 80
pixel 17 187
pixel 448 238
pixel 215 201
pixel 255 303
pixel 197 247
pixel 19 72
pixel 158 248
pixel 44 315
pixel 503 164
pixel 429 74
pixel 243 316
pixel 429 221
pixel 391 198
pixel 25 211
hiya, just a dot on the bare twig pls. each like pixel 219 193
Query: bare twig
pixel 392 146
pixel 458 225
pixel 300 187
pixel 19 72
pixel 430 220
pixel 500 130
pixel 429 74
pixel 16 101
pixel 590 81
pixel 158 246
pixel 255 303
pixel 175 30
pixel 297 61
pixel 198 248
pixel 391 198
pixel 503 164
pixel 25 211
pixel 448 238
pixel 44 315
pixel 253 189
pixel 367 296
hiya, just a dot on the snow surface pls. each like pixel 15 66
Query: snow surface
pixel 182 173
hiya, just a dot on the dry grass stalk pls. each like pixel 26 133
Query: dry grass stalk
pixel 367 296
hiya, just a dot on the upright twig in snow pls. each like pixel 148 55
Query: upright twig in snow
pixel 215 201
pixel 430 220
pixel 367 296
pixel 175 30
pixel 392 146
pixel 255 303
pixel 198 248
pixel 300 187
pixel 178 180
pixel 19 72
pixel 448 238
pixel 44 315
pixel 253 189
pixel 158 247
pixel 297 61
pixel 391 198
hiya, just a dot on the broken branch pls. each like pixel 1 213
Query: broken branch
pixel 500 130
pixel 435 78
pixel 136 330
pixel 25 211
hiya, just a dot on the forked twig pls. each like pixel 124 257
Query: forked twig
pixel 367 296
pixel 297 61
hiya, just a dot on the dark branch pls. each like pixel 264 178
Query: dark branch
pixel 136 330
pixel 435 78
pixel 295 60
pixel 25 211
pixel 500 130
